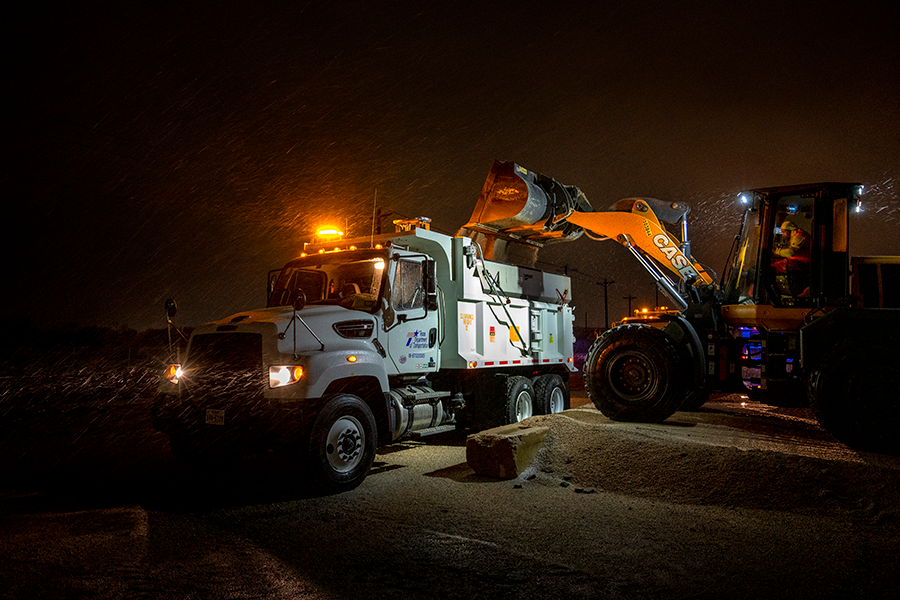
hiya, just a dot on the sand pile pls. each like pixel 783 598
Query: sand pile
pixel 591 453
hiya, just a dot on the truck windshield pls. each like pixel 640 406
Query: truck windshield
pixel 352 279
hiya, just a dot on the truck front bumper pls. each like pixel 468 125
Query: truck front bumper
pixel 247 421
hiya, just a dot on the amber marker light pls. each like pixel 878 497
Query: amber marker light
pixel 329 234
pixel 351 359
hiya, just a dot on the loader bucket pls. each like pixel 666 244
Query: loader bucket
pixel 516 203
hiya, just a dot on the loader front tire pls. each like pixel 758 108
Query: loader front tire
pixel 632 373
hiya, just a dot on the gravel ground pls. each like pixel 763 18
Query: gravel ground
pixel 733 501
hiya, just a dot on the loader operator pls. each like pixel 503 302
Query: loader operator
pixel 791 260
pixel 793 242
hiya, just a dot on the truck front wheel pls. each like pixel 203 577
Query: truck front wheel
pixel 632 373
pixel 342 443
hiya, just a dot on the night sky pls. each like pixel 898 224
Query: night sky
pixel 183 150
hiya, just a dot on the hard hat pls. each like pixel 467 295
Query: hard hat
pixel 788 226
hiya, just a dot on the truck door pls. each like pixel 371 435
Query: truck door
pixel 413 332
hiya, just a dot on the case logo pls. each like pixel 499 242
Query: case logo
pixel 676 258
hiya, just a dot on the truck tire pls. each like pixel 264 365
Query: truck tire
pixel 342 443
pixel 632 373
pixel 854 395
pixel 519 399
pixel 550 394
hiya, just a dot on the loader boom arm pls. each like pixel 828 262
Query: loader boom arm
pixel 641 229
pixel 523 207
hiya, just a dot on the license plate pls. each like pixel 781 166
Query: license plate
pixel 215 416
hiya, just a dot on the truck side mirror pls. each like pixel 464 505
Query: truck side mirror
pixel 430 281
pixel 272 280
pixel 299 299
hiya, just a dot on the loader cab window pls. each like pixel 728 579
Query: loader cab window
pixel 742 278
pixel 791 255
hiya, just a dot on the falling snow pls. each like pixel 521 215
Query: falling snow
pixel 185 152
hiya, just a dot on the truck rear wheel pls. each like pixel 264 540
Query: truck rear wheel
pixel 632 373
pixel 550 394
pixel 854 396
pixel 342 443
pixel 519 399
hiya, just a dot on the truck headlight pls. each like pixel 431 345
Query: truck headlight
pixel 174 372
pixel 284 375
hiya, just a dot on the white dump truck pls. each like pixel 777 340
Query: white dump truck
pixel 364 341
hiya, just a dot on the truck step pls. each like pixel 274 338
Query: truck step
pixel 431 431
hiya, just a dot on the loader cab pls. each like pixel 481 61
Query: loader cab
pixel 793 247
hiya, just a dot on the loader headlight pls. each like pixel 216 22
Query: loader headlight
pixel 284 375
pixel 174 372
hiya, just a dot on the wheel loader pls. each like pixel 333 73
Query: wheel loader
pixel 817 327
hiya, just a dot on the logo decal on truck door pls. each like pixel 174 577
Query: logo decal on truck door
pixel 417 339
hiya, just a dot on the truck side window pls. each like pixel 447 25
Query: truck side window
pixel 408 290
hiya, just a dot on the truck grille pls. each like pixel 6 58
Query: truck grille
pixel 226 363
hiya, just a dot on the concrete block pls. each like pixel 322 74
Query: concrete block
pixel 504 452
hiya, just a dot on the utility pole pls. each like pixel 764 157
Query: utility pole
pixel 605 285
pixel 377 219
pixel 629 297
